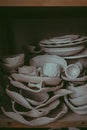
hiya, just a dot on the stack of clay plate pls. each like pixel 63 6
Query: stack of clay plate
pixel 65 46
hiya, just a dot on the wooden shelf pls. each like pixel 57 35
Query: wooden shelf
pixel 43 2
pixel 69 120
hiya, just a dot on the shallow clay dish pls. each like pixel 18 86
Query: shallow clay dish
pixel 64 51
pixel 36 79
pixel 82 110
pixel 79 101
pixel 42 59
pixel 78 91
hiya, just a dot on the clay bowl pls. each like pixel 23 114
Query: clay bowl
pixel 82 110
pixel 36 79
pixel 27 70
pixel 72 71
pixel 40 60
pixel 78 91
pixel 63 51
pixel 75 80
pixel 12 62
pixel 79 101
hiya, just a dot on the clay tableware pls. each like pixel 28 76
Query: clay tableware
pixel 79 101
pixel 79 110
pixel 78 91
pixel 63 51
pixel 36 79
pixel 40 60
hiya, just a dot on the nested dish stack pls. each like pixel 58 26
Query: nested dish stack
pixel 72 48
pixel 64 46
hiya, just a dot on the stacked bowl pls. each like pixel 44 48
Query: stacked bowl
pixel 64 46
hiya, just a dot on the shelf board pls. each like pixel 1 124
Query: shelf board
pixel 43 2
pixel 69 120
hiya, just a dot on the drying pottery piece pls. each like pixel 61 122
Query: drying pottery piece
pixel 10 64
pixel 13 59
pixel 64 51
pixel 37 121
pixel 36 79
pixel 60 40
pixel 34 101
pixel 79 79
pixel 27 70
pixel 56 96
pixel 42 89
pixel 63 42
pixel 72 71
pixel 79 110
pixel 79 101
pixel 40 111
pixel 37 86
pixel 51 69
pixel 62 92
pixel 40 60
pixel 18 98
pixel 35 98
pixel 78 91
pixel 22 100
pixel 82 54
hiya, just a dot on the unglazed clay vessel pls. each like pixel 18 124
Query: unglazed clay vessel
pixel 38 121
pixel 40 60
pixel 27 70
pixel 78 91
pixel 42 89
pixel 78 79
pixel 32 97
pixel 79 101
pixel 64 51
pixel 63 41
pixel 38 112
pixel 82 110
pixel 36 79
pixel 37 86
pixel 18 98
pixel 72 71
pixel 12 62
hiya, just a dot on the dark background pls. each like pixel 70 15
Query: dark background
pixel 20 26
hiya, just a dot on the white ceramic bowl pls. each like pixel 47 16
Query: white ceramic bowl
pixel 79 101
pixel 82 110
pixel 78 91
pixel 64 51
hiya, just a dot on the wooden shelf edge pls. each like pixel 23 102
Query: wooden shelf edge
pixel 43 2
pixel 69 120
